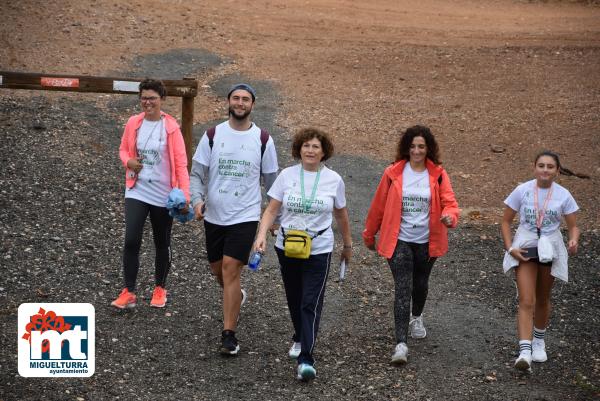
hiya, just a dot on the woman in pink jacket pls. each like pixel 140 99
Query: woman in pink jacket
pixel 412 208
pixel 153 154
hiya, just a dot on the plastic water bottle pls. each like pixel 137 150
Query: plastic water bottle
pixel 254 261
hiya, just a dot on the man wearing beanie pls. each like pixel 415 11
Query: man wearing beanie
pixel 225 192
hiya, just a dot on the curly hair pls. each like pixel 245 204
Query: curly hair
pixel 305 135
pixel 155 85
pixel 403 149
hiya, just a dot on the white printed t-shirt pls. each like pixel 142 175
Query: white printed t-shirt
pixel 521 200
pixel 416 198
pixel 153 183
pixel 330 193
pixel 234 163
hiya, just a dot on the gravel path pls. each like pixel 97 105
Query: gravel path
pixel 61 232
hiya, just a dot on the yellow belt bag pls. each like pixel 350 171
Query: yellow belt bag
pixel 297 244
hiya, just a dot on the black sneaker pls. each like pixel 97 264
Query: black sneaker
pixel 229 344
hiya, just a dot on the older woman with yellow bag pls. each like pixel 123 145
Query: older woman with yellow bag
pixel 307 195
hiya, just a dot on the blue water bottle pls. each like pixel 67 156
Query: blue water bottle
pixel 254 261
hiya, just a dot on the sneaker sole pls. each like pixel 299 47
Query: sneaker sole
pixel 307 375
pixel 523 365
pixel 128 306
pixel 399 361
pixel 228 352
pixel 293 356
pixel 539 360
pixel 418 337
pixel 158 305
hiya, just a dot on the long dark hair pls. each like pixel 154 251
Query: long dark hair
pixel 403 149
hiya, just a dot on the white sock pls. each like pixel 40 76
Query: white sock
pixel 525 346
pixel 538 334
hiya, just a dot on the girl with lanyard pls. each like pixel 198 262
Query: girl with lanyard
pixel 537 252
pixel 304 279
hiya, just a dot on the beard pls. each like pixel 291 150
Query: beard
pixel 237 116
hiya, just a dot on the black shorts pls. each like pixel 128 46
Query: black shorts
pixel 537 260
pixel 234 241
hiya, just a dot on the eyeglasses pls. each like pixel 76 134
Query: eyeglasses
pixel 149 98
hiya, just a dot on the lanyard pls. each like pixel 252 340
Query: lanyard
pixel 307 202
pixel 539 214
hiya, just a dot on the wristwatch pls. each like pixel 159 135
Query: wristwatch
pixel 510 250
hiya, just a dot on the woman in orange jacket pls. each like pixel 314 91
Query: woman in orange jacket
pixel 412 209
pixel 153 153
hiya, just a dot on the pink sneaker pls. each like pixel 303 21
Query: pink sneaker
pixel 125 299
pixel 159 297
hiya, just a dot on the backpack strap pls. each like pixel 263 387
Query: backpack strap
pixel 264 138
pixel 210 133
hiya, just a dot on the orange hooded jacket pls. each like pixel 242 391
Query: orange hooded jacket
pixel 385 212
pixel 175 145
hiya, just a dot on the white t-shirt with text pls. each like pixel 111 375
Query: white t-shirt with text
pixel 234 162
pixel 561 203
pixel 153 182
pixel 416 198
pixel 330 193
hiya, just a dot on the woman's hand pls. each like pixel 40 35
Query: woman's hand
pixel 273 230
pixel 369 245
pixel 135 165
pixel 199 211
pixel 517 253
pixel 572 246
pixel 446 220
pixel 346 254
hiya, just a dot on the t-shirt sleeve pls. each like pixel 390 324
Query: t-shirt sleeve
pixel 569 205
pixel 340 195
pixel 276 191
pixel 269 159
pixel 202 154
pixel 514 199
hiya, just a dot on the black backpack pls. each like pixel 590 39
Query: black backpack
pixel 264 138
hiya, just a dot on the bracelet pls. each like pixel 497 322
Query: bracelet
pixel 510 249
pixel 347 246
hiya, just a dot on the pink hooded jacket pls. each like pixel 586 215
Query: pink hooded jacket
pixel 175 145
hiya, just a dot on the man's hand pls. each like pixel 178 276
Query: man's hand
pixel 199 210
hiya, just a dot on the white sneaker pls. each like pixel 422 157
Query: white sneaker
pixel 244 297
pixel 523 362
pixel 400 354
pixel 416 327
pixel 538 351
pixel 295 350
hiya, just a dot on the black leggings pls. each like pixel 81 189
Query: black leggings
pixel 411 267
pixel 135 217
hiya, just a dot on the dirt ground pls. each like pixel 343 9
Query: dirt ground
pixel 497 81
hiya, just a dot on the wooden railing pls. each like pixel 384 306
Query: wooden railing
pixel 186 89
